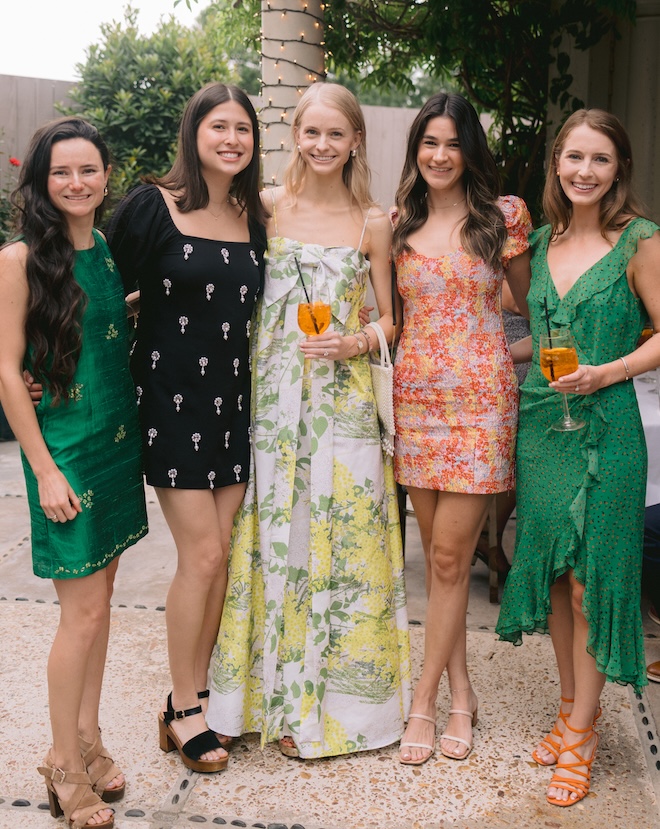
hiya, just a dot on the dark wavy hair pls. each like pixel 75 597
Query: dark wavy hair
pixel 186 173
pixel 56 301
pixel 620 203
pixel 484 233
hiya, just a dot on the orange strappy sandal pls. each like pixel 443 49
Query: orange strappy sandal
pixel 578 786
pixel 553 746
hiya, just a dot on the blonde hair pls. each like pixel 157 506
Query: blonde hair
pixel 620 203
pixel 356 174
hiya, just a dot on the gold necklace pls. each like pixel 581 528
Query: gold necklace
pixel 447 206
pixel 217 215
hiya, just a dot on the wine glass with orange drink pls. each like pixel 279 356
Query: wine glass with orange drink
pixel 313 315
pixel 558 357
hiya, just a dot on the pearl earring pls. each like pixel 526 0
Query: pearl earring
pixel 353 153
pixel 105 192
pixel 299 150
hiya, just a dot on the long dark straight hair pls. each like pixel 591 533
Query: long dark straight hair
pixel 484 233
pixel 56 301
pixel 186 173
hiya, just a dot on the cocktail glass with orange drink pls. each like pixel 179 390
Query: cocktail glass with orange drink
pixel 558 357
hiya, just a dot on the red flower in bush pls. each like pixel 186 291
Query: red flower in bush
pixel 14 161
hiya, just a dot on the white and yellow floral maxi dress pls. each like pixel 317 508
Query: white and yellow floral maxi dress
pixel 314 637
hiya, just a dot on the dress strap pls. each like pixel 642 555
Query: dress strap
pixel 364 227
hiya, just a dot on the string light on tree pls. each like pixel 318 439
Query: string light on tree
pixel 292 58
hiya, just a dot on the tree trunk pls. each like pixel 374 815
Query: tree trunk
pixel 292 58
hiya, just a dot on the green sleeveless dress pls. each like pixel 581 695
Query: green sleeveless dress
pixel 581 494
pixel 93 438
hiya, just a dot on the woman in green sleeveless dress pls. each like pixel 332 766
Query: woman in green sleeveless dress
pixel 578 557
pixel 63 318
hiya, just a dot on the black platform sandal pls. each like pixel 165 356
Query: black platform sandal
pixel 226 742
pixel 191 751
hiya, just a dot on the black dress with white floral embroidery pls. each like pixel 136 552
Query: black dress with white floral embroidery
pixel 191 360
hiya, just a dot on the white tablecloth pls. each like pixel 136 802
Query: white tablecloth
pixel 649 408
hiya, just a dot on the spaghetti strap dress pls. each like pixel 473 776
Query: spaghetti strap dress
pixel 314 639
pixel 191 361
pixel 581 494
pixel 93 436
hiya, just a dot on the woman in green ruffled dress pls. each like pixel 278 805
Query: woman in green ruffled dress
pixel 578 557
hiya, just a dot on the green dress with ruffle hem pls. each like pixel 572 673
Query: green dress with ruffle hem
pixel 581 494
pixel 93 437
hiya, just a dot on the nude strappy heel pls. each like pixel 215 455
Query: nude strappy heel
pixel 429 748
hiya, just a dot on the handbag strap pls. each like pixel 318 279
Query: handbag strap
pixel 385 359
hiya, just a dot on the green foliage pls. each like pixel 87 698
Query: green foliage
pixel 8 181
pixel 134 87
pixel 507 56
pixel 501 53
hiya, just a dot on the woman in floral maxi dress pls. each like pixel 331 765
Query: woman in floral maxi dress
pixel 313 646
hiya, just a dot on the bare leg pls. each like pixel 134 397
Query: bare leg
pixel 192 516
pixel 88 725
pixel 228 499
pixel 560 624
pixel 455 521
pixel 81 635
pixel 463 698
pixel 589 682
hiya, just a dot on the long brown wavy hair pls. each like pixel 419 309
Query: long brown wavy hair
pixel 56 302
pixel 484 232
pixel 620 203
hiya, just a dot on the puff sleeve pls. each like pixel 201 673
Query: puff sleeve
pixel 136 232
pixel 518 224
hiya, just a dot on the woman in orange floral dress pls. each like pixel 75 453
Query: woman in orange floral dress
pixel 455 389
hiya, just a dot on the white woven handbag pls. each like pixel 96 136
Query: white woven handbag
pixel 382 378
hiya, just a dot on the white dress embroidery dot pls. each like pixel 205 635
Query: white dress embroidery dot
pixel 209 290
pixel 155 357
pixel 183 321
pixel 211 477
pixel 227 436
pixel 254 258
pixel 168 284
pixel 187 250
pixel 237 472
pixel 225 255
pixel 178 400
pixel 139 391
pixel 243 290
pixel 240 402
pixel 225 330
pixel 152 434
pixel 196 437
pixel 171 474
pixel 203 362
pixel 236 364
pixel 217 403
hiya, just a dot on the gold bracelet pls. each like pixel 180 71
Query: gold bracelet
pixel 625 365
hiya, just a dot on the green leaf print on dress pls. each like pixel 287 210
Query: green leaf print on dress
pixel 314 638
